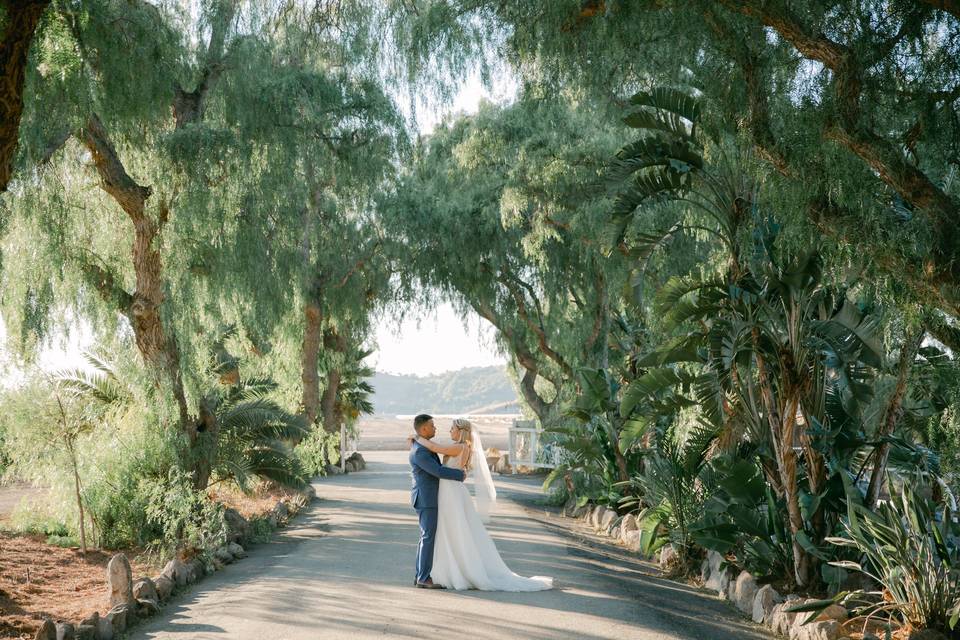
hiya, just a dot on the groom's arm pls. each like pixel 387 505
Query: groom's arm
pixel 430 465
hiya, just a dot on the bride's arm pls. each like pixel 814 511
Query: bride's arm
pixel 447 450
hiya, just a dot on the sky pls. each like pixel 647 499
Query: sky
pixel 438 341
pixel 435 342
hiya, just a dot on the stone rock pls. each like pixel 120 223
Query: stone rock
pixel 65 631
pixel 223 555
pixel 627 524
pixel 744 592
pixel 86 632
pixel 281 511
pixel 195 570
pixel 704 571
pixel 607 520
pixel 819 630
pixel 615 532
pixel 357 460
pixel 349 467
pixel 503 465
pixel 309 493
pixel 834 612
pixel 595 514
pixel 120 617
pixel 176 570
pixel 236 550
pixel 104 629
pixel 163 585
pixel 121 580
pixel 719 576
pixel 237 525
pixel 333 470
pixel 91 620
pixel 575 510
pixel 731 586
pixel 147 607
pixel 781 620
pixel 214 565
pixel 668 557
pixel 47 631
pixel 632 540
pixel 763 603
pixel 145 588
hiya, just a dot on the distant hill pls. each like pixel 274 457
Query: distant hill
pixel 470 390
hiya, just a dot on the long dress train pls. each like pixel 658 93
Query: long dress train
pixel 465 556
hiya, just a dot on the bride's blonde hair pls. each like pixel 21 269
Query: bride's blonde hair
pixel 466 437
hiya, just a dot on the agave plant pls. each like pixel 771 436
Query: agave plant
pixel 909 546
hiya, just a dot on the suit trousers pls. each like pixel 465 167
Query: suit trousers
pixel 428 536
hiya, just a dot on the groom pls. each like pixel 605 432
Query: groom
pixel 427 472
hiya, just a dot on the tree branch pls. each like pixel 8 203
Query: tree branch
pixel 950 6
pixel 22 18
pixel 852 132
pixel 189 106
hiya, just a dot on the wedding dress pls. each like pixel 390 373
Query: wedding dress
pixel 465 556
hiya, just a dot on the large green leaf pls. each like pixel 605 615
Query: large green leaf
pixel 649 385
pixel 676 101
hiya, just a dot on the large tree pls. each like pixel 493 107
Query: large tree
pixel 853 105
pixel 502 213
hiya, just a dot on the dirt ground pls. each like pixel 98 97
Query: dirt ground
pixel 39 580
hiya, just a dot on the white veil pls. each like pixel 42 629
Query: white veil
pixel 485 493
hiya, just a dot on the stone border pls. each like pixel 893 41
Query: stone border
pixel 761 603
pixel 132 600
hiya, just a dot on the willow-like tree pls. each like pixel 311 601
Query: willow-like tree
pixel 501 212
pixel 854 106
pixel 202 156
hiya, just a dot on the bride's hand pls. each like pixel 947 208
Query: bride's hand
pixel 410 441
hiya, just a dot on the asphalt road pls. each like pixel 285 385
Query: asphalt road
pixel 344 568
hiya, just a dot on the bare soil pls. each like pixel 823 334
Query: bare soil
pixel 38 580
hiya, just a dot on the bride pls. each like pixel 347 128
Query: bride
pixel 464 556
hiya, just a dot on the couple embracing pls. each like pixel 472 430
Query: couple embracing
pixel 455 549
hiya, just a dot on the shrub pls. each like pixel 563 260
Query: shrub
pixel 188 521
pixel 910 548
pixel 318 450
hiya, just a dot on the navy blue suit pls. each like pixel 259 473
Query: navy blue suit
pixel 427 472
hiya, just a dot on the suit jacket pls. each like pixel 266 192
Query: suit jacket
pixel 427 472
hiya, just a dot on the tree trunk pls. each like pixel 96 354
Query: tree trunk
pixel 309 354
pixel 203 445
pixel 145 305
pixel 525 358
pixel 330 401
pixel 892 414
pixel 76 491
pixel 22 18
pixel 791 492
pixel 782 431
